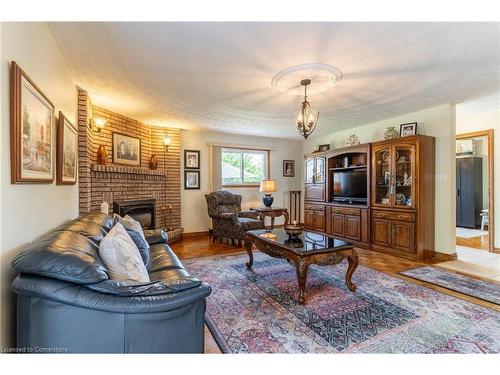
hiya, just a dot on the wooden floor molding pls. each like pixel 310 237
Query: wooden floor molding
pixel 442 257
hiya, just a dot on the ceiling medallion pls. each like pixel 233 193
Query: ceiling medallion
pixel 323 76
pixel 306 118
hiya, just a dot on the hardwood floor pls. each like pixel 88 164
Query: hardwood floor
pixel 200 245
pixel 480 242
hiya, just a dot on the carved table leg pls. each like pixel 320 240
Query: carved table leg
pixel 272 222
pixel 301 267
pixel 353 263
pixel 248 248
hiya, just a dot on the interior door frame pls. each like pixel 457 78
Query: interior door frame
pixel 491 180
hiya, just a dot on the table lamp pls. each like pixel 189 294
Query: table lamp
pixel 268 187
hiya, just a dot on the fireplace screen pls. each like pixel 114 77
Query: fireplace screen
pixel 141 210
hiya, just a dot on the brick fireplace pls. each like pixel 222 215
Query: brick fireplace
pixel 118 184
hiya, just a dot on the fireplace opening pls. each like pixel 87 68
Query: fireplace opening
pixel 141 210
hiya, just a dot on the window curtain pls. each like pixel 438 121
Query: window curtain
pixel 215 168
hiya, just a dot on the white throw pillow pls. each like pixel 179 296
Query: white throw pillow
pixel 121 256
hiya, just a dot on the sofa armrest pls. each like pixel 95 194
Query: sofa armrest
pixel 80 295
pixel 249 214
pixel 155 236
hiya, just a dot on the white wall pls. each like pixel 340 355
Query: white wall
pixel 194 208
pixel 471 121
pixel 30 210
pixel 438 122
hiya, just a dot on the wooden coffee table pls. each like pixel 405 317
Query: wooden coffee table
pixel 313 248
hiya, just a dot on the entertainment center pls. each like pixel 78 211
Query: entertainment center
pixel 378 195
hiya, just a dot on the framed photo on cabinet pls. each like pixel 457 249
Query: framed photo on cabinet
pixel 32 122
pixel 67 151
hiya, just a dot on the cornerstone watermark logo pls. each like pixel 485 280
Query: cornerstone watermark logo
pixel 32 349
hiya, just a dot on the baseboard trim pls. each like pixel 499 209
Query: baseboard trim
pixel 196 233
pixel 442 257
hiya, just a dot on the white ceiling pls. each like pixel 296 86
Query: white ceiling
pixel 218 75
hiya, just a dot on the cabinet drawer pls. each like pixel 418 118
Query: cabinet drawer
pixel 391 215
pixel 315 192
pixel 347 211
pixel 316 207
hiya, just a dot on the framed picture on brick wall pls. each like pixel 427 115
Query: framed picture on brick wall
pixel 126 150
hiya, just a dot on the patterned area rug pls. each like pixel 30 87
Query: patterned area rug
pixel 255 311
pixel 489 291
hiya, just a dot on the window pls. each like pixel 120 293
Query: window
pixel 243 167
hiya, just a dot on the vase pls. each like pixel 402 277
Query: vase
pixel 102 154
pixel 391 133
pixel 153 162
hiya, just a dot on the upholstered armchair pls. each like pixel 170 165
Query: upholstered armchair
pixel 228 220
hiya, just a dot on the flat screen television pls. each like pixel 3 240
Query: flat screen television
pixel 350 186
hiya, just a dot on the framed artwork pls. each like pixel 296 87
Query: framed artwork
pixel 191 180
pixel 126 150
pixel 323 148
pixel 191 159
pixel 67 151
pixel 32 122
pixel 408 129
pixel 288 168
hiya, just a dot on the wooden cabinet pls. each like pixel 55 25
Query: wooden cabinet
pixel 347 222
pixel 381 232
pixel 314 217
pixel 315 178
pixel 393 234
pixel 394 178
pixel 402 196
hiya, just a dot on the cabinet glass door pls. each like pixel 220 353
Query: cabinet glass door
pixel 320 170
pixel 383 176
pixel 309 175
pixel 404 176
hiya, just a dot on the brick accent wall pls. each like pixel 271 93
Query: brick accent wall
pixel 121 183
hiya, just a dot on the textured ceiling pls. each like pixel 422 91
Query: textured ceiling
pixel 218 75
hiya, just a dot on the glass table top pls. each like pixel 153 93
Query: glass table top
pixel 307 241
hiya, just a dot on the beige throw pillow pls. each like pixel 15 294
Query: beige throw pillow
pixel 121 256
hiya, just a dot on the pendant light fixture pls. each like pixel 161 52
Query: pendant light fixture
pixel 305 118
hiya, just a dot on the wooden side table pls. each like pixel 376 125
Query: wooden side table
pixel 272 212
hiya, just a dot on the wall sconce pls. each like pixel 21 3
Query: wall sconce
pixel 97 124
pixel 166 142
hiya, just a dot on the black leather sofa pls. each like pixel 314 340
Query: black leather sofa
pixel 67 303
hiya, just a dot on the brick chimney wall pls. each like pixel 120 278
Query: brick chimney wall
pixel 120 183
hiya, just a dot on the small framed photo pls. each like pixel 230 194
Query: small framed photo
pixel 67 151
pixel 323 148
pixel 408 129
pixel 191 159
pixel 288 168
pixel 126 150
pixel 191 180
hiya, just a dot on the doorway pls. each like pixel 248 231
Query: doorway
pixel 475 207
pixel 475 190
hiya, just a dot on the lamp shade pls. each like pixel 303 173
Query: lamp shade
pixel 267 186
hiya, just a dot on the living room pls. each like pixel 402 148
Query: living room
pixel 249 187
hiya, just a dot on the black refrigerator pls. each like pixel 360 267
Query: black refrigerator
pixel 469 192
